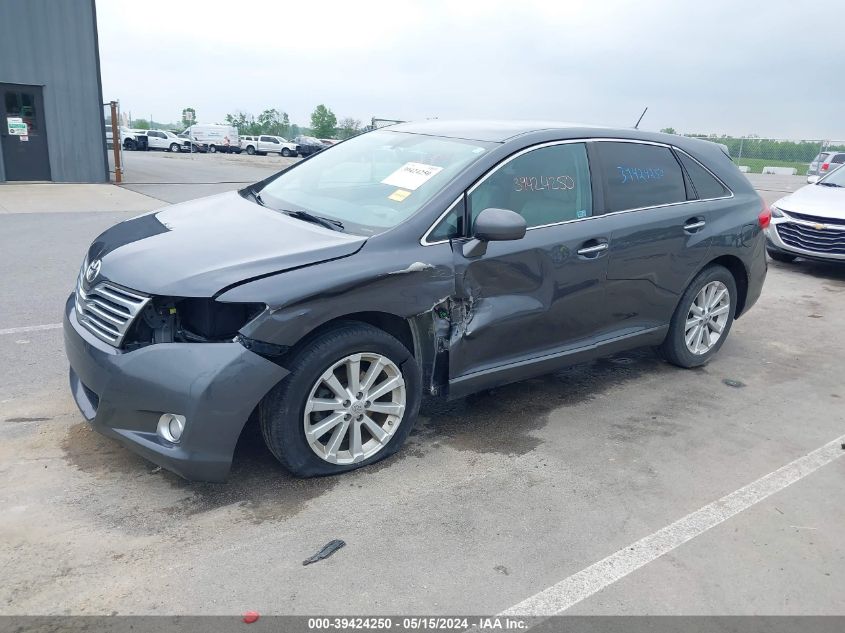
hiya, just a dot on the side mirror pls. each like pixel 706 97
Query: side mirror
pixel 812 179
pixel 494 225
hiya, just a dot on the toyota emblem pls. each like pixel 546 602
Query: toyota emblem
pixel 93 270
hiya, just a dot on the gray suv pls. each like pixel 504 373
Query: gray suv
pixel 823 164
pixel 434 258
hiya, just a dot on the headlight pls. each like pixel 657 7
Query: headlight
pixel 777 213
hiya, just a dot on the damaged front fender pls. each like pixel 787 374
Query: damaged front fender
pixel 393 284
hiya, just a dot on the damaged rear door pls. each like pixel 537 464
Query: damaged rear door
pixel 540 295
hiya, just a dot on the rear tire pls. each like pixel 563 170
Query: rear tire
pixel 212 149
pixel 780 256
pixel 304 399
pixel 250 150
pixel 702 319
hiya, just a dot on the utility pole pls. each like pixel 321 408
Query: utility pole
pixel 116 143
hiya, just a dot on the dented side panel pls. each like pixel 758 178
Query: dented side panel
pixel 528 298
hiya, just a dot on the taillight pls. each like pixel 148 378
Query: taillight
pixel 765 217
pixel 825 166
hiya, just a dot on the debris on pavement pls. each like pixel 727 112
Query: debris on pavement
pixel 328 549
pixel 251 617
pixel 736 384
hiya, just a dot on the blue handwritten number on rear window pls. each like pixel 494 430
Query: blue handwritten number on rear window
pixel 639 174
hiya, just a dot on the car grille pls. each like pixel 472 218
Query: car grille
pixel 107 310
pixel 815 218
pixel 810 238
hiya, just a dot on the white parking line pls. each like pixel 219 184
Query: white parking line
pixel 585 583
pixel 31 328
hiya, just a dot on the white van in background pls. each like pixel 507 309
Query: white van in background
pixel 215 138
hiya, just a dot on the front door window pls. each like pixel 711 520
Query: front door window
pixel 546 186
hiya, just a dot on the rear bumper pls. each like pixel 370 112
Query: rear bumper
pixel 121 394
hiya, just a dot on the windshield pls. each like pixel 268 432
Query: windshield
pixel 374 181
pixel 836 178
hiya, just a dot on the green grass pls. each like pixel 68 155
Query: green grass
pixel 756 165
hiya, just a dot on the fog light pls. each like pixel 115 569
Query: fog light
pixel 171 426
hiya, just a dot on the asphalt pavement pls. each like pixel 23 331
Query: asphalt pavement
pixel 496 499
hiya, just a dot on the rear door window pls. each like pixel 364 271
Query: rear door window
pixel 706 185
pixel 636 175
pixel 838 159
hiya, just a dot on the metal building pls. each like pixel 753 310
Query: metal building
pixel 50 92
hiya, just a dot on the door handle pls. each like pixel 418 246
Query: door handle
pixel 589 251
pixel 694 224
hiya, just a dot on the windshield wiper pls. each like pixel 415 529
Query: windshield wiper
pixel 334 225
pixel 828 184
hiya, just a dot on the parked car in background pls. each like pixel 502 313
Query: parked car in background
pixel 216 138
pixel 810 223
pixel 194 146
pixel 268 144
pixel 435 258
pixel 823 163
pixel 308 145
pixel 133 139
pixel 328 142
pixel 167 140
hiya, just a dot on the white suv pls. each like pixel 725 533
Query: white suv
pixel 267 144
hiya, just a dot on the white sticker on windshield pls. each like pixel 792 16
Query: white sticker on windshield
pixel 411 175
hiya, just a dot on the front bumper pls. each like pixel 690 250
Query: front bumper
pixel 216 386
pixel 776 243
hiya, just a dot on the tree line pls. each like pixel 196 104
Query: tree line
pixel 324 124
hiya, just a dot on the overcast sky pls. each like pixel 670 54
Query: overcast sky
pixel 719 66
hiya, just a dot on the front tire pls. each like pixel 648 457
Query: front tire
pixel 780 256
pixel 702 320
pixel 285 152
pixel 175 148
pixel 212 149
pixel 351 399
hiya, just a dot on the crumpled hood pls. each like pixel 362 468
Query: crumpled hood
pixel 197 248
pixel 825 202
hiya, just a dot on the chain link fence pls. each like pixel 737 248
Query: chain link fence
pixel 774 155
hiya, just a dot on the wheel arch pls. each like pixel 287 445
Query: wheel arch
pixel 740 274
pixel 398 327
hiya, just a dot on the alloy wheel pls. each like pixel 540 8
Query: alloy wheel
pixel 355 408
pixel 707 317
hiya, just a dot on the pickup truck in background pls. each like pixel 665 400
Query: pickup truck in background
pixel 268 144
pixel 167 140
pixel 133 139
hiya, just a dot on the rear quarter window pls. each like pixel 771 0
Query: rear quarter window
pixel 636 175
pixel 705 184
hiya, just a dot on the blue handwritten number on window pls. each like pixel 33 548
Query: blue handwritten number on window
pixel 639 174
